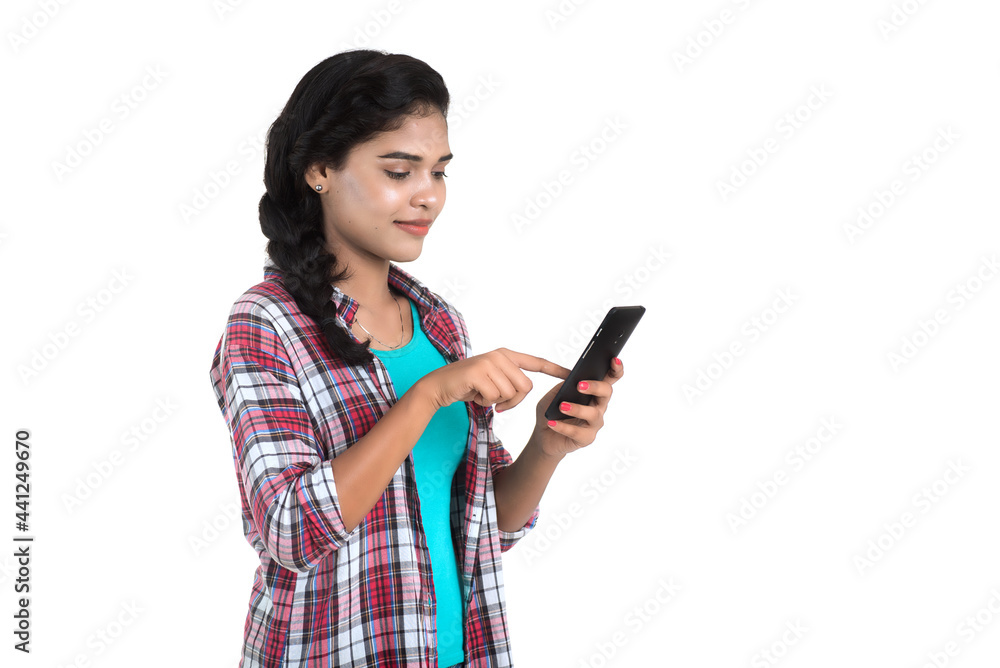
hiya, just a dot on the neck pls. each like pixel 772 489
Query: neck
pixel 369 286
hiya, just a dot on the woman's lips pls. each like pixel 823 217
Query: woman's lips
pixel 418 230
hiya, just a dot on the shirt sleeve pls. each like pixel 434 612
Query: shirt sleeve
pixel 279 460
pixel 499 460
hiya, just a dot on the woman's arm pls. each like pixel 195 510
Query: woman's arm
pixel 518 488
pixel 365 469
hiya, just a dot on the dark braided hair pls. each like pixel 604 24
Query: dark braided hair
pixel 343 101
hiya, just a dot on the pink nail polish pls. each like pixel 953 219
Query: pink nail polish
pixel 583 385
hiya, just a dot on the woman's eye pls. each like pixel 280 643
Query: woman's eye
pixel 402 175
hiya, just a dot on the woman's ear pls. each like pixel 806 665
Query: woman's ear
pixel 316 175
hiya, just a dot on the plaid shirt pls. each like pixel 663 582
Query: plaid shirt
pixel 323 595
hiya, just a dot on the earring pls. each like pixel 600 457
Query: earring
pixel 319 187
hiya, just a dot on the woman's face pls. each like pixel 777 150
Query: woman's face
pixel 394 178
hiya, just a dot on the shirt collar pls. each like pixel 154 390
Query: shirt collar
pixel 404 282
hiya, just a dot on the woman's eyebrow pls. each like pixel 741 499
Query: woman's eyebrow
pixel 402 155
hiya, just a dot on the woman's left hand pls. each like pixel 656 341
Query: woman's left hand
pixel 581 428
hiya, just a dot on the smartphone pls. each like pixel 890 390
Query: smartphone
pixel 595 362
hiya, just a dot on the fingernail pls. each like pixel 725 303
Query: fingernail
pixel 583 385
pixel 564 406
pixel 618 361
pixel 552 423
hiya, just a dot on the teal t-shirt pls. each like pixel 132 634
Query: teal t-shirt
pixel 436 456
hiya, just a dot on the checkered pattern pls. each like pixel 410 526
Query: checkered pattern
pixel 323 595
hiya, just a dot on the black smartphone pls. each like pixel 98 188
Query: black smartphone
pixel 595 362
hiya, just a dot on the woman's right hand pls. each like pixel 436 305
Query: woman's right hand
pixel 495 377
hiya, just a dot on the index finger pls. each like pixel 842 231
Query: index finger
pixel 539 364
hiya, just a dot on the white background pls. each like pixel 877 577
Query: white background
pixel 138 559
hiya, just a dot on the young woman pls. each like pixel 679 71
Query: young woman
pixel 372 486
